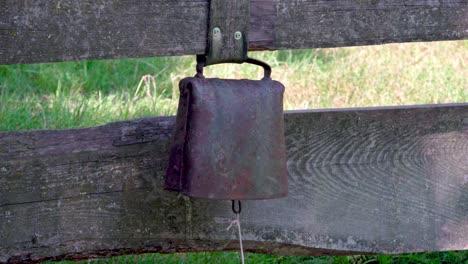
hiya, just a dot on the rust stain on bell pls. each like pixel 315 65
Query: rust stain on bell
pixel 229 140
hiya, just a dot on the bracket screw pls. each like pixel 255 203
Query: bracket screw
pixel 216 31
pixel 238 35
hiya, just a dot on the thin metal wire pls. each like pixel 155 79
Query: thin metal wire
pixel 237 223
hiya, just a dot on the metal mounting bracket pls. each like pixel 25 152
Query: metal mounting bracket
pixel 228 31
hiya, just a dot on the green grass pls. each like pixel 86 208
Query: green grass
pixel 82 94
pixel 456 257
pixel 90 93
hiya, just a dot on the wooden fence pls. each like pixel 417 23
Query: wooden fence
pixel 63 30
pixel 372 180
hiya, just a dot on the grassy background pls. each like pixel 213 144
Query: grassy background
pixel 90 93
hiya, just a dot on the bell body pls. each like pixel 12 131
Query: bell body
pixel 229 140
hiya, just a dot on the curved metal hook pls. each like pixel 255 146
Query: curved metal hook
pixel 201 63
pixel 234 207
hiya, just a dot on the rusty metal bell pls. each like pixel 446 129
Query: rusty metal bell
pixel 229 139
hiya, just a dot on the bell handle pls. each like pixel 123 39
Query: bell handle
pixel 201 63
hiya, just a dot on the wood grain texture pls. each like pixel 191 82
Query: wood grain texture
pixel 64 30
pixel 361 180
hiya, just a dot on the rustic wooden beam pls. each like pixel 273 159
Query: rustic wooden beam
pixel 64 30
pixel 378 180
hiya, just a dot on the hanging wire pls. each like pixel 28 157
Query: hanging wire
pixel 237 223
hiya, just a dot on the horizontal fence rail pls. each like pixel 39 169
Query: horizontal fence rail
pixel 65 30
pixel 378 180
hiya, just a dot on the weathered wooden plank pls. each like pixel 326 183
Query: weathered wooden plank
pixel 361 180
pixel 63 30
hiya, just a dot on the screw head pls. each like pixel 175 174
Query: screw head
pixel 238 35
pixel 216 31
